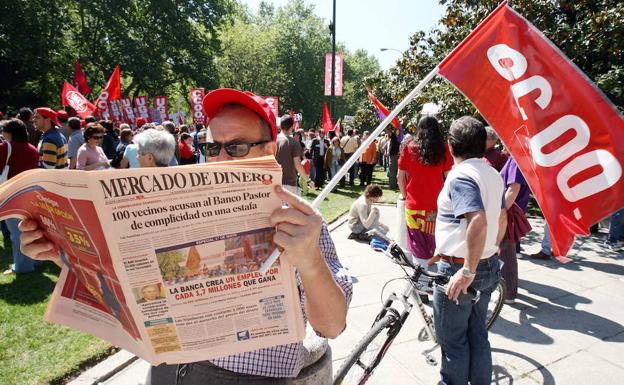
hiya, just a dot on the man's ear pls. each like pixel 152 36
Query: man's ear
pixel 271 148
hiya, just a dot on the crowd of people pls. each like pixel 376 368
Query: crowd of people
pixel 465 207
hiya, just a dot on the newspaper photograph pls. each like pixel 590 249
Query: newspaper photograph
pixel 164 261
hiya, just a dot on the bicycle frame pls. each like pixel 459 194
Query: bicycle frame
pixel 408 298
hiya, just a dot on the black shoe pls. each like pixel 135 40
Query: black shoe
pixel 353 236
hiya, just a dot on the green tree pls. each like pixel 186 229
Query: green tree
pixel 163 46
pixel 281 52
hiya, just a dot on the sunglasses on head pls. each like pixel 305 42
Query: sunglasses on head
pixel 233 149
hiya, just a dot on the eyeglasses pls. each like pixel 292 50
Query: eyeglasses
pixel 233 149
pixel 98 137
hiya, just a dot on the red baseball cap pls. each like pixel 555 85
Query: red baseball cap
pixel 48 113
pixel 215 100
pixel 140 121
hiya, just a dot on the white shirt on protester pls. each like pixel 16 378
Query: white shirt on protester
pixel 470 186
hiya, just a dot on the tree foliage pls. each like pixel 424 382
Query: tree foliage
pixel 590 33
pixel 163 46
pixel 281 52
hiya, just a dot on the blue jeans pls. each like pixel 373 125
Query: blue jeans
pixel 546 246
pixel 460 329
pixel 21 263
pixel 616 227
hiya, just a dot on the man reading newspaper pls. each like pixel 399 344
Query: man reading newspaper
pixel 243 126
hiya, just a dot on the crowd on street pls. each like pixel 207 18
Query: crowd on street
pixel 463 197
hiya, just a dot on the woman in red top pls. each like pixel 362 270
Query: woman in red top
pixel 24 156
pixel 424 162
pixel 187 156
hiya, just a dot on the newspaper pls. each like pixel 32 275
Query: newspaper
pixel 163 261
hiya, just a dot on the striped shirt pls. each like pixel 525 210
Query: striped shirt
pixel 287 360
pixel 53 150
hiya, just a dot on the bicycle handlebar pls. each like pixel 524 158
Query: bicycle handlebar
pixel 395 252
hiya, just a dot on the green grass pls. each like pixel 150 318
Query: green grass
pixel 33 351
pixel 339 202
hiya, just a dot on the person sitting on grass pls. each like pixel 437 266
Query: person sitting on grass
pixel 364 219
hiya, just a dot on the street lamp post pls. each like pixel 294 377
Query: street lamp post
pixel 333 68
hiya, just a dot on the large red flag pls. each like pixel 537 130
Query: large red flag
pixel 71 97
pixel 112 91
pixel 565 135
pixel 80 79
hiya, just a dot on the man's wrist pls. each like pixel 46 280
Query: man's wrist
pixel 467 272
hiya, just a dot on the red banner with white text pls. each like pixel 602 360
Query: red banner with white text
pixel 71 97
pixel 128 111
pixel 141 105
pixel 565 135
pixel 116 113
pixel 161 104
pixel 197 95
pixel 337 74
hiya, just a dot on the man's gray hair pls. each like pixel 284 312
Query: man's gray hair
pixel 160 144
pixel 491 134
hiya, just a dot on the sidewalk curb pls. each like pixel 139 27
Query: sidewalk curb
pixel 122 359
pixel 106 369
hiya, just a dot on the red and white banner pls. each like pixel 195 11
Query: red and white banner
pixel 71 97
pixel 562 131
pixel 128 111
pixel 161 104
pixel 141 104
pixel 273 102
pixel 112 91
pixel 197 95
pixel 338 74
pixel 116 112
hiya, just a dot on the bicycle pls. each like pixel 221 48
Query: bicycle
pixel 359 366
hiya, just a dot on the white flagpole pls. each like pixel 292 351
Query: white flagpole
pixel 345 167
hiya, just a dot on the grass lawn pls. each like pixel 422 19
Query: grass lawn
pixel 33 351
pixel 339 202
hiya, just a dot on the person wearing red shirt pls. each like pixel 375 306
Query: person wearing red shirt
pixel 24 156
pixel 187 156
pixel 423 164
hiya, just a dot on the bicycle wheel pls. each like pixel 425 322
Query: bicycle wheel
pixel 496 304
pixel 367 354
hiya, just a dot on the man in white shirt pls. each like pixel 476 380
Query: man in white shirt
pixel 470 224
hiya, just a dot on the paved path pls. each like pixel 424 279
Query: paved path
pixel 567 327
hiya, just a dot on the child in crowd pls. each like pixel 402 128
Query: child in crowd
pixel 364 219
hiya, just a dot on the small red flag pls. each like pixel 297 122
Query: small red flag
pixel 71 97
pixel 80 79
pixel 327 123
